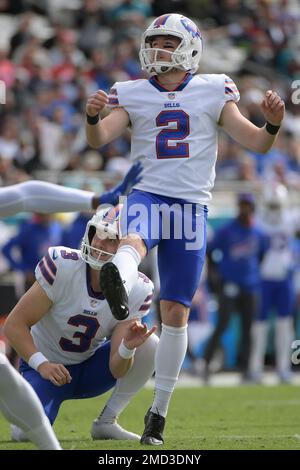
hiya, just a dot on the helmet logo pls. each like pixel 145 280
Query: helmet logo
pixel 191 28
pixel 160 21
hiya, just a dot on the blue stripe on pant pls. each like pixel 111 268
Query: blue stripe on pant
pixel 90 378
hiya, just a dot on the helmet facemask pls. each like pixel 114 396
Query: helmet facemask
pixel 185 57
pixel 96 257
pixel 149 56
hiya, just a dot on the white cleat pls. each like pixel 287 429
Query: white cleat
pixel 111 431
pixel 17 435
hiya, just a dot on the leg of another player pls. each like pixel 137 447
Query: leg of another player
pixel 45 198
pixel 21 406
pixel 168 361
pixel 106 426
pixel 259 334
pixel 225 308
pixel 119 276
pixel 283 339
pixel 127 259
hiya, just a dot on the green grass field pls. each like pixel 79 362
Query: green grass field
pixel 253 417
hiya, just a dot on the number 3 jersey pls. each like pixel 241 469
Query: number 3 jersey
pixel 80 319
pixel 174 133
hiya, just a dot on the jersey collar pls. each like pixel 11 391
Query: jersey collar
pixel 153 80
pixel 91 292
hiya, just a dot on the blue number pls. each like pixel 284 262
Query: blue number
pixel 69 255
pixel 182 130
pixel 92 326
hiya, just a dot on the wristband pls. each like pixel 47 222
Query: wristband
pixel 124 352
pixel 271 129
pixel 36 360
pixel 92 120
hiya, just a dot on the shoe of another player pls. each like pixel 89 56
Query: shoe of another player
pixel 114 291
pixel 111 431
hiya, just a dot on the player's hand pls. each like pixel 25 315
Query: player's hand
pixel 96 102
pixel 273 108
pixel 137 334
pixel 56 373
pixel 134 176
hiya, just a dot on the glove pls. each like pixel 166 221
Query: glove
pixel 133 177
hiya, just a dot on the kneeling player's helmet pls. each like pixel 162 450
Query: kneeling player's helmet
pixel 186 56
pixel 105 223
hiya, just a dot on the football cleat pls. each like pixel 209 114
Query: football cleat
pixel 17 434
pixel 114 291
pixel 111 431
pixel 154 428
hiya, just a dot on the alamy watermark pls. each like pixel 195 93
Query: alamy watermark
pixel 2 92
pixel 296 353
pixel 178 221
pixel 295 98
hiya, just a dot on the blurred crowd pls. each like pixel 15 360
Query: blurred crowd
pixel 53 54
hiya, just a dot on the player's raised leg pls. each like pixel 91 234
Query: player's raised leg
pixel 119 276
pixel 21 406
pixel 47 198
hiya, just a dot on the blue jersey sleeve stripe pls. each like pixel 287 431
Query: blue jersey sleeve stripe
pixel 145 306
pixel 45 273
pixel 51 265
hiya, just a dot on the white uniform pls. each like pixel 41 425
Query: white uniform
pixel 78 322
pixel 174 133
pixel 279 259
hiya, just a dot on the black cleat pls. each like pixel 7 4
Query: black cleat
pixel 154 428
pixel 114 291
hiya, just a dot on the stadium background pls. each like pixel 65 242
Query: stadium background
pixel 54 53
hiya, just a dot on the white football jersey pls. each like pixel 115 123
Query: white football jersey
pixel 174 133
pixel 79 320
pixel 279 258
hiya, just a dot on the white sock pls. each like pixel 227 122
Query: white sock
pixel 127 260
pixel 168 361
pixel 21 406
pixel 126 387
pixel 259 334
pixel 283 343
pixel 42 197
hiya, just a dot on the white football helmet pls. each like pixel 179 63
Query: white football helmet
pixel 275 195
pixel 188 53
pixel 105 223
pixel 275 200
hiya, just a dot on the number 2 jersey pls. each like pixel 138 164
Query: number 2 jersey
pixel 80 319
pixel 174 133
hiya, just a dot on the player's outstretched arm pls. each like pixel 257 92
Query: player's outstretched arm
pixel 112 197
pixel 247 134
pixel 102 131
